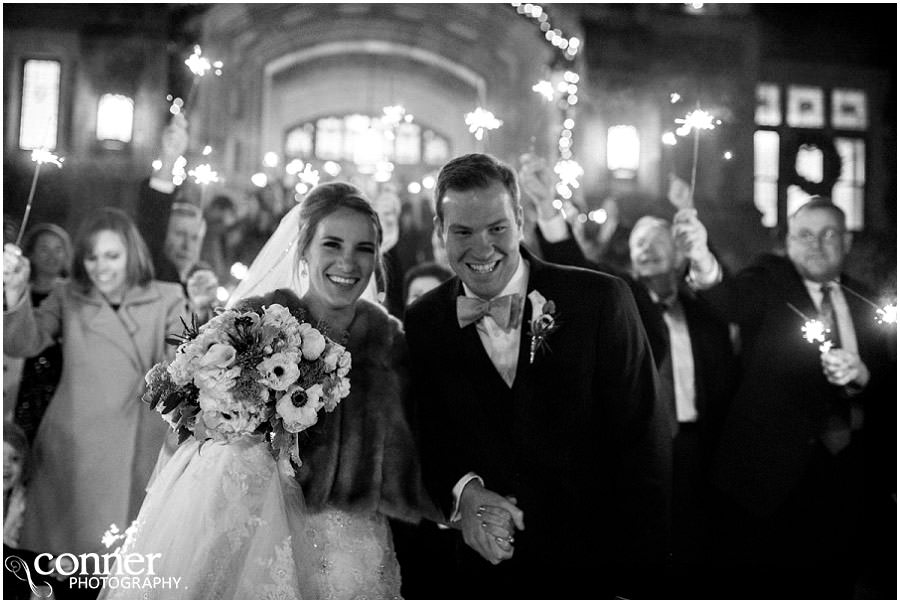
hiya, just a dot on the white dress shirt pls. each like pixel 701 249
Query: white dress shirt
pixel 682 355
pixel 502 348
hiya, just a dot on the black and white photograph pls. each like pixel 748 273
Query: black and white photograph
pixel 450 301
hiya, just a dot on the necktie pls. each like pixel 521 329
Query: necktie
pixel 828 316
pixel 836 434
pixel 505 310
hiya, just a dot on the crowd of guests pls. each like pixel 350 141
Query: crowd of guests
pixel 783 466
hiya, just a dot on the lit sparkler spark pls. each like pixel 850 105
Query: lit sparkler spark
pixel 887 314
pixel 394 114
pixel 200 65
pixel 203 174
pixel 814 331
pixel 545 89
pixel 569 171
pixel 698 119
pixel 41 156
pixel 480 120
pixel 309 175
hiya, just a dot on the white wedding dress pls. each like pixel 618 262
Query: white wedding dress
pixel 226 523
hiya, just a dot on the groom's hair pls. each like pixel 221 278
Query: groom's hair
pixel 326 199
pixel 475 170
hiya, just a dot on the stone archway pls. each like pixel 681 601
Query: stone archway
pixel 287 61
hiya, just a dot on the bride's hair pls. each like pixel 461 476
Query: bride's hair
pixel 326 199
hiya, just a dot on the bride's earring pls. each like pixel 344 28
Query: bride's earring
pixel 304 269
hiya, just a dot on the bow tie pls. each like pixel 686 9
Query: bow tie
pixel 505 310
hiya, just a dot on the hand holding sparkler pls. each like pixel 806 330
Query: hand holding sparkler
pixel 16 272
pixel 691 239
pixel 537 181
pixel 842 367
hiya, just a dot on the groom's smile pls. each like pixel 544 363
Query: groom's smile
pixel 482 228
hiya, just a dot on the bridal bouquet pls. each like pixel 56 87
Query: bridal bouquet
pixel 247 372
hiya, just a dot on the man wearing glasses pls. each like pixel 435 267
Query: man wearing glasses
pixel 806 461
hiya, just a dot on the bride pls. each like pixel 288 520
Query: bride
pixel 229 522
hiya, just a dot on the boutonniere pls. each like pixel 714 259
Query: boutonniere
pixel 543 322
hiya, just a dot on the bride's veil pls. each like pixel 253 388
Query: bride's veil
pixel 275 265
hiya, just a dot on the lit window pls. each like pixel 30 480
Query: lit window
pixel 848 109
pixel 623 148
pixel 765 175
pixel 768 105
pixel 849 191
pixel 115 118
pixel 436 148
pixel 806 107
pixel 299 141
pixel 328 138
pixel 356 135
pixel 40 105
pixel 407 146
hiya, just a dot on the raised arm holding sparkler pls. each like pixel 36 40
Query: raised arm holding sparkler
pixel 801 410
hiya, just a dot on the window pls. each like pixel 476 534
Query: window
pixel 39 118
pixel 849 192
pixel 820 143
pixel 765 175
pixel 366 141
pixel 806 107
pixel 768 105
pixel 115 118
pixel 848 109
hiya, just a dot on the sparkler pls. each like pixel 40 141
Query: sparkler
pixel 480 120
pixel 203 175
pixel 886 314
pixel 199 66
pixel 696 120
pixel 39 157
pixel 814 330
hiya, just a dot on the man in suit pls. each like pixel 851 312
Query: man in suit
pixel 693 351
pixel 807 449
pixel 546 445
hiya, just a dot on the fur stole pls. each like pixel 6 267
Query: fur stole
pixel 361 457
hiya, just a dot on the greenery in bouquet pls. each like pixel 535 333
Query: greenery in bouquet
pixel 247 372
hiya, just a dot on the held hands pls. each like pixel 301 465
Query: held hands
pixel 201 288
pixel 489 522
pixel 16 271
pixel 536 181
pixel 842 368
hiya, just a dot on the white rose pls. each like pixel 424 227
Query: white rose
pixel 313 342
pixel 344 364
pixel 332 355
pixel 219 355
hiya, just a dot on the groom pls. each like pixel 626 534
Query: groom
pixel 535 390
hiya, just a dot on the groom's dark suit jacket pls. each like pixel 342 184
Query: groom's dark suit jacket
pixel 580 439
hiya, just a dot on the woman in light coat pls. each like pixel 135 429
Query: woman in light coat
pixel 98 442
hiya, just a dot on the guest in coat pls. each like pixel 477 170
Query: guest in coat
pixel 97 443
pixel 548 448
pixel 807 453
